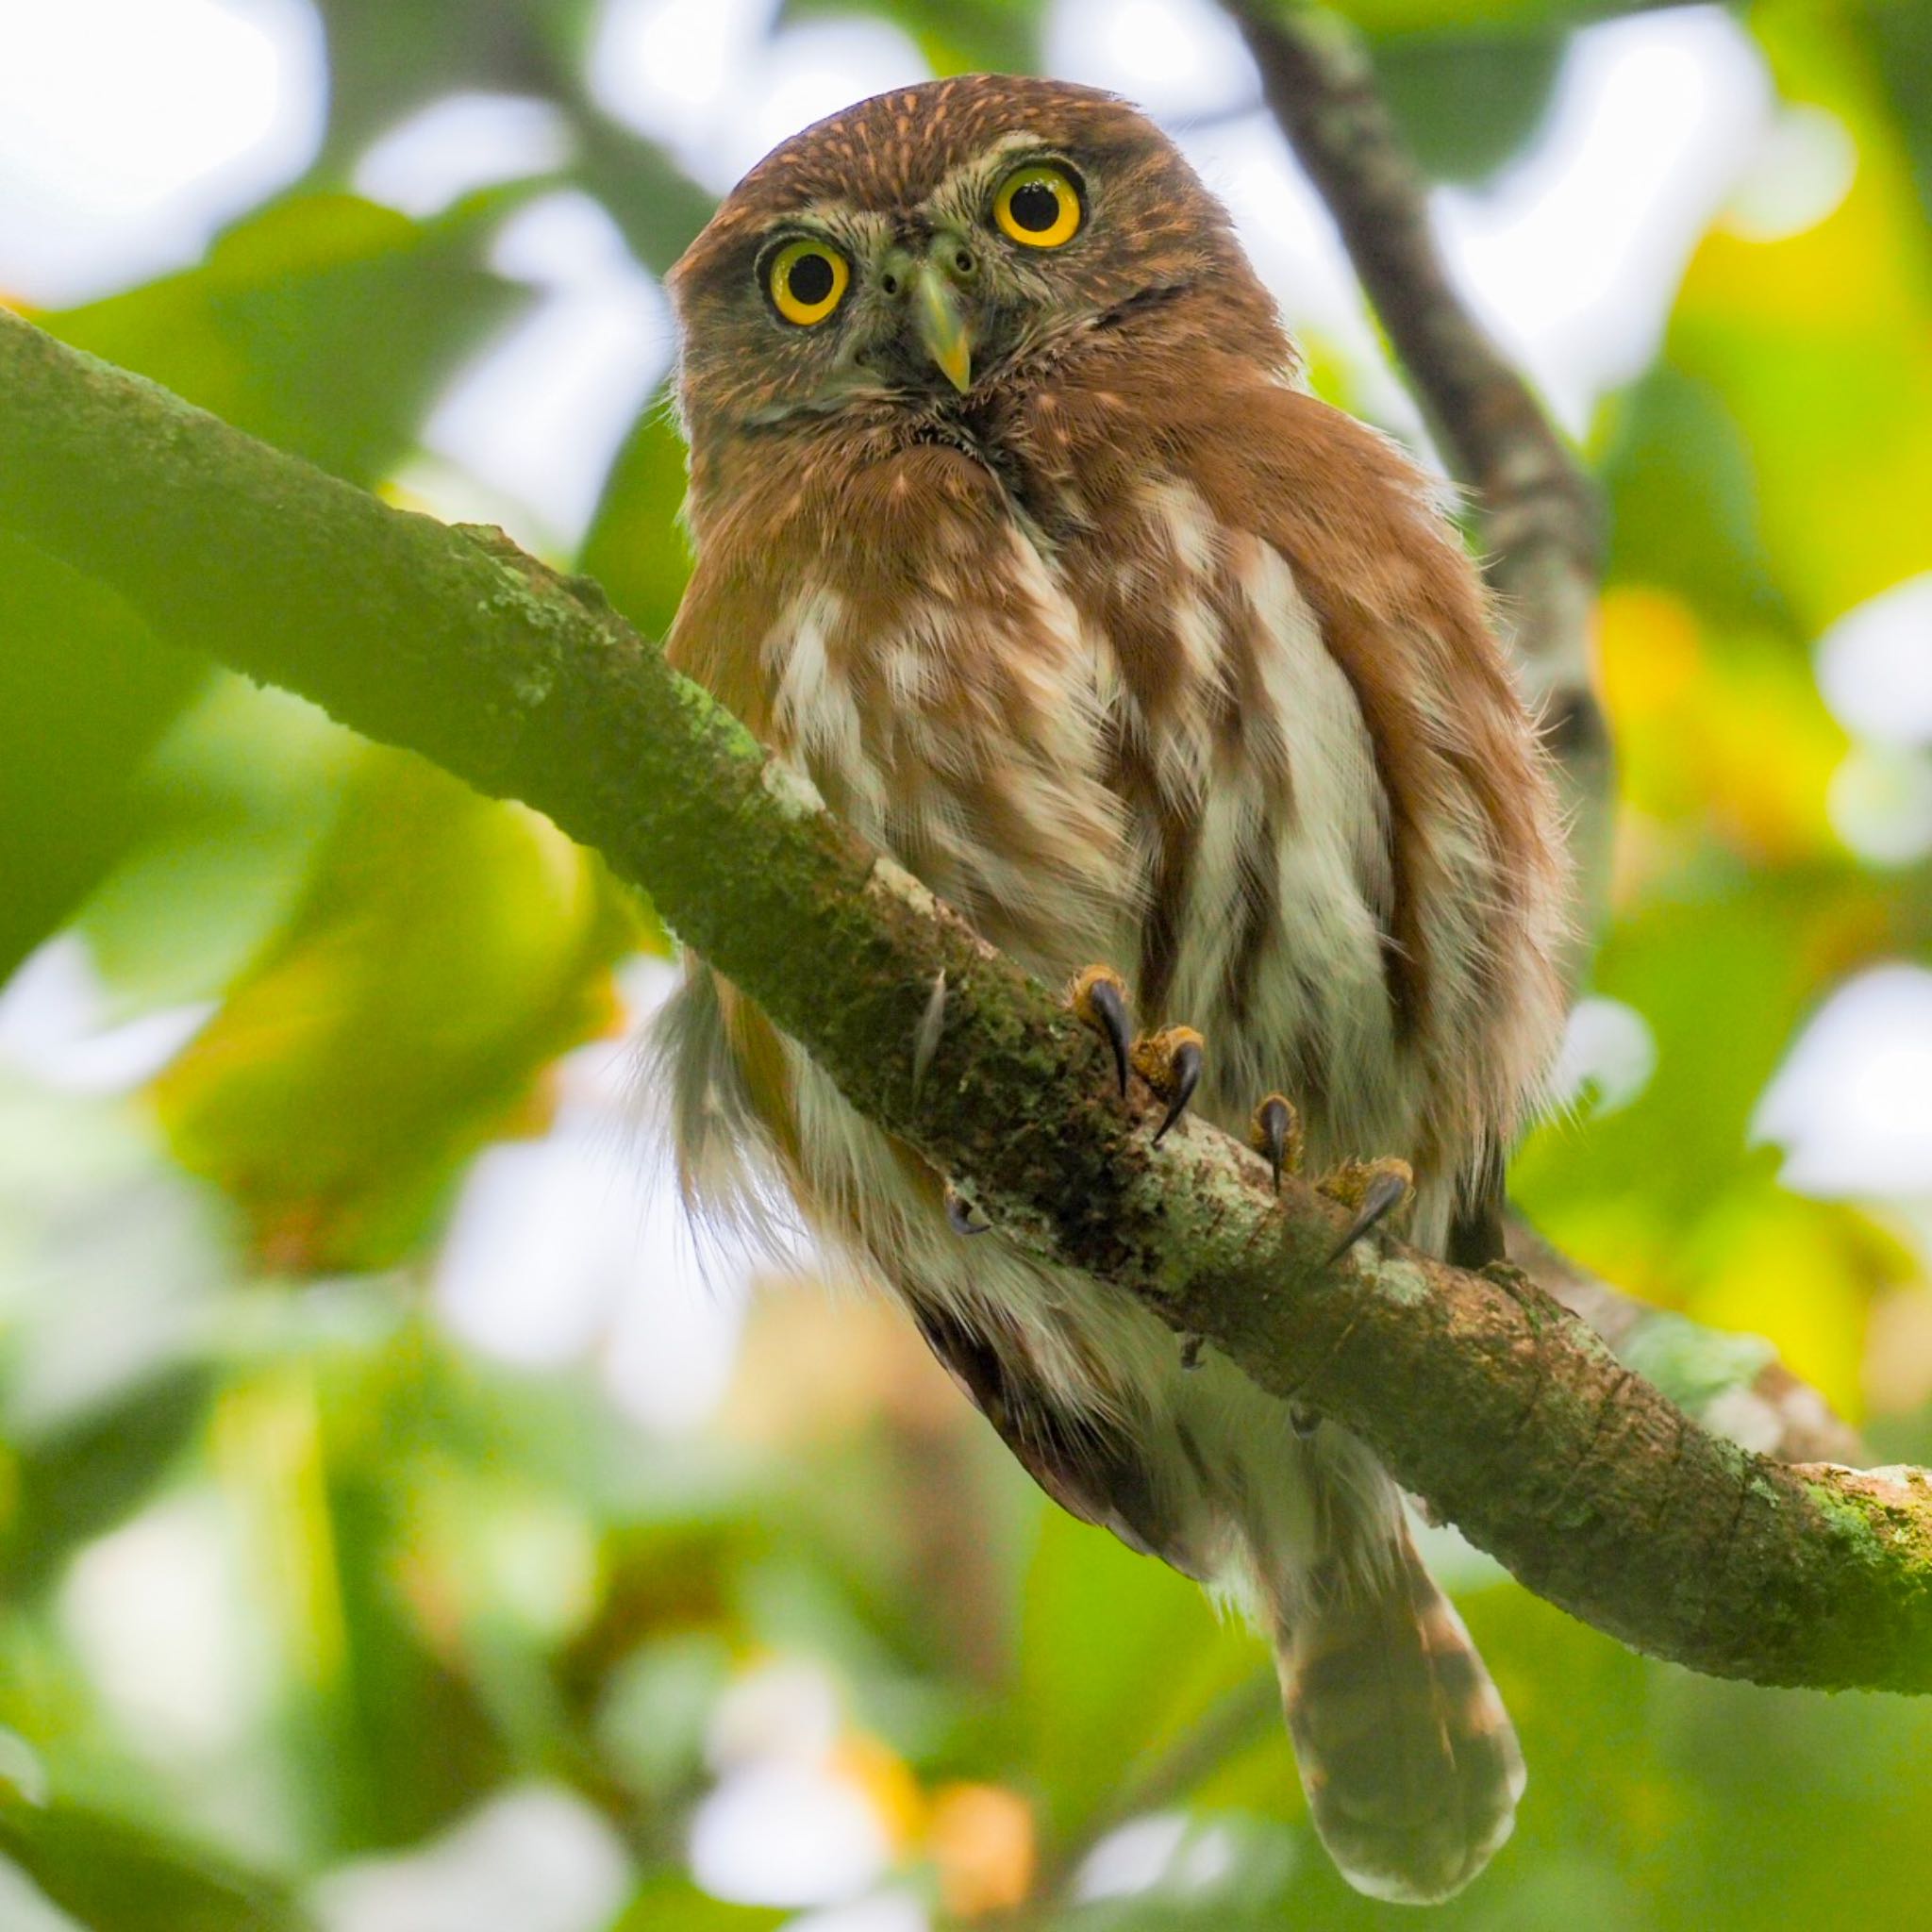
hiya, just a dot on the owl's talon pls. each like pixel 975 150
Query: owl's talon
pixel 1171 1061
pixel 1374 1188
pixel 1186 1077
pixel 1099 997
pixel 959 1216
pixel 1275 1132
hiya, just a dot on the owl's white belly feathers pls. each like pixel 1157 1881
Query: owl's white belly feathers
pixel 1006 802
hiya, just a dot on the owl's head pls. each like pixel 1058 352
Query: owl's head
pixel 938 242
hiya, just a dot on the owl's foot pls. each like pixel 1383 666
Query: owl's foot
pixel 1099 997
pixel 1374 1188
pixel 1275 1134
pixel 1170 1061
pixel 959 1215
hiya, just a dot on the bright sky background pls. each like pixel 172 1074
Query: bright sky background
pixel 130 130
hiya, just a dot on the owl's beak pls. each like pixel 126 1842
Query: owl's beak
pixel 942 324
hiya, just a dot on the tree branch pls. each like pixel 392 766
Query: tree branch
pixel 1481 1393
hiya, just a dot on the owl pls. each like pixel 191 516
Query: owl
pixel 1020 538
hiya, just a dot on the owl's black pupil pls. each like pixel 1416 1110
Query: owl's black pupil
pixel 809 279
pixel 1035 208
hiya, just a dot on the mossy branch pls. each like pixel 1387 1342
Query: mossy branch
pixel 1483 1394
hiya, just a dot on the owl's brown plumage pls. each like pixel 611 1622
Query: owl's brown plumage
pixel 1017 537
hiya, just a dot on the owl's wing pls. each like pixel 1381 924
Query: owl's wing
pixel 1354 847
pixel 1094 1466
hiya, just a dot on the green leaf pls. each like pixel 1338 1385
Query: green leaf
pixel 233 807
pixel 1430 81
pixel 636 547
pixel 115 1876
pixel 1118 1657
pixel 1230 1874
pixel 672 1903
pixel 1677 471
pixel 84 693
pixel 323 324
pixel 1693 1365
pixel 1814 342
pixel 448 950
pixel 381 1724
pixel 656 205
pixel 385 60
pixel 72 1483
pixel 1900 32
pixel 1439 16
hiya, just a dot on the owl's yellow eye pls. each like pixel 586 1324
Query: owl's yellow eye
pixel 807 280
pixel 1038 207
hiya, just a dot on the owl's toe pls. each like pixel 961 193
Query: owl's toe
pixel 1374 1188
pixel 959 1213
pixel 1099 997
pixel 1171 1061
pixel 1276 1133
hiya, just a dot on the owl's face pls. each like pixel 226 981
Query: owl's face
pixel 932 244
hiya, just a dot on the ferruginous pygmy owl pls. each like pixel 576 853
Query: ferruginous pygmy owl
pixel 1019 537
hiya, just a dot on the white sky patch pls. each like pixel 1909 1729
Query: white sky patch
pixel 1164 1848
pixel 1880 802
pixel 157 1611
pixel 1174 58
pixel 461 143
pixel 534 1859
pixel 56 1023
pixel 787 1835
pixel 1573 254
pixel 539 416
pixel 577 1245
pixel 24 1907
pixel 561 1249
pixel 675 68
pixel 1801 167
pixel 1293 245
pixel 784 1711
pixel 131 129
pixel 888 1911
pixel 1874 665
pixel 782 1827
pixel 1851 1105
pixel 699 76
pixel 811 71
pixel 1607 1057
pixel 523 1274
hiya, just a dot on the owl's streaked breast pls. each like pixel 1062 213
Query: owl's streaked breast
pixel 1132 745
pixel 961 725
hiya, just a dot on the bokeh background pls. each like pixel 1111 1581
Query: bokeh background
pixel 403 1526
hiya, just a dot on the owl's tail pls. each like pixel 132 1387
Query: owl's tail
pixel 1407 1755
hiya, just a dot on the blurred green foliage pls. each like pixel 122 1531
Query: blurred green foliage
pixel 448 1579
